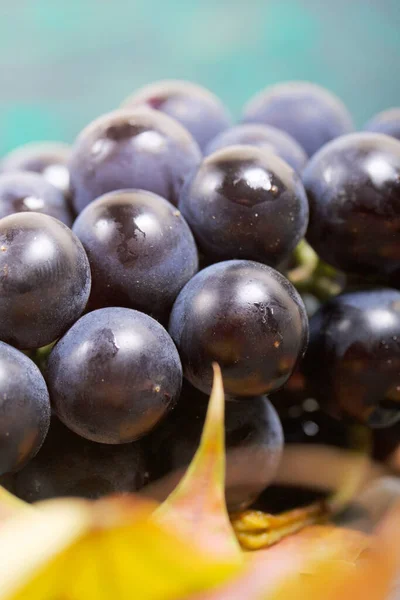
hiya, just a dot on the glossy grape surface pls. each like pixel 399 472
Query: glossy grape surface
pixel 353 187
pixel 307 112
pixel 141 251
pixel 114 375
pixel 68 465
pixel 262 136
pixel 245 316
pixel 131 149
pixel 387 122
pixel 49 159
pixel 44 279
pixel 245 203
pixel 195 107
pixel 24 409
pixel 24 191
pixel 353 360
pixel 253 439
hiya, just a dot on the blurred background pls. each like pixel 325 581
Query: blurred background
pixel 64 62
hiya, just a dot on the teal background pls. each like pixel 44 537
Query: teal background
pixel 64 62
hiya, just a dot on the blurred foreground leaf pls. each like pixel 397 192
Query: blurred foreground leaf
pixel 197 506
pixel 10 505
pixel 80 550
pixel 321 563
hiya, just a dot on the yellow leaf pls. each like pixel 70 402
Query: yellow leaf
pixel 197 506
pixel 109 549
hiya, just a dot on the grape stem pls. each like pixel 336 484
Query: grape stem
pixel 255 529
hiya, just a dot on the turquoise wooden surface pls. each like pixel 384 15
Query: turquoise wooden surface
pixel 63 62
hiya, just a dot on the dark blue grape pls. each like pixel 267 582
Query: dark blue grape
pixel 23 191
pixel 353 187
pixel 245 203
pixel 245 316
pixel 353 360
pixel 68 465
pixel 114 375
pixel 141 251
pixel 131 149
pixel 49 159
pixel 262 136
pixel 307 112
pixel 24 409
pixel 44 279
pixel 195 107
pixel 253 440
pixel 387 122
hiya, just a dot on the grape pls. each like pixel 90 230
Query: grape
pixel 353 360
pixel 353 186
pixel 68 465
pixel 387 122
pixel 262 136
pixel 24 409
pixel 141 251
pixel 137 148
pixel 26 192
pixel 386 447
pixel 114 375
pixel 49 159
pixel 253 437
pixel 307 112
pixel 245 203
pixel 195 107
pixel 44 279
pixel 245 316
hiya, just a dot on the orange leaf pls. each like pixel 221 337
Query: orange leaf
pixel 197 506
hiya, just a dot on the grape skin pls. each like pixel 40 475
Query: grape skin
pixel 131 149
pixel 114 375
pixel 306 111
pixel 68 465
pixel 141 251
pixel 245 316
pixel 245 203
pixel 262 136
pixel 387 122
pixel 353 187
pixel 195 107
pixel 352 363
pixel 253 439
pixel 24 409
pixel 49 159
pixel 44 279
pixel 24 191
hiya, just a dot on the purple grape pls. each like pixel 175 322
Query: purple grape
pixel 245 316
pixel 195 107
pixel 44 279
pixel 353 187
pixel 69 465
pixel 49 159
pixel 253 440
pixel 114 375
pixel 24 191
pixel 352 364
pixel 307 112
pixel 262 136
pixel 24 409
pixel 131 149
pixel 141 251
pixel 245 203
pixel 387 122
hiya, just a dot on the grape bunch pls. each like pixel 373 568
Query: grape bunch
pixel 166 239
